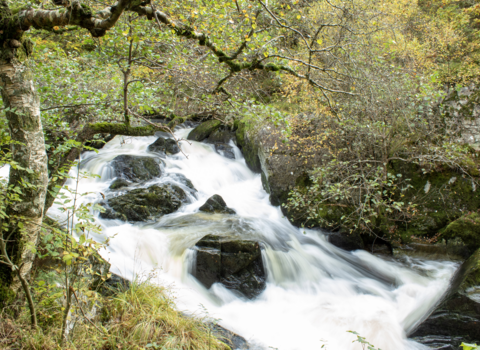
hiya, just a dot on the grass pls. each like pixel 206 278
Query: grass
pixel 142 317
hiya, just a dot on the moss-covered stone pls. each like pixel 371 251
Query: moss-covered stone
pixel 135 168
pixel 249 148
pixel 441 196
pixel 144 203
pixel 204 130
pixel 119 183
pixel 457 317
pixel 471 269
pixel 467 228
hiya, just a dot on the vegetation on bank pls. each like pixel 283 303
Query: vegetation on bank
pixel 141 317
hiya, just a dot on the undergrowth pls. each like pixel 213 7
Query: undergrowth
pixel 141 317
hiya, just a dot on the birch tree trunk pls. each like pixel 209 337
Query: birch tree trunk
pixel 28 151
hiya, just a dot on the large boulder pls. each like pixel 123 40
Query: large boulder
pixel 144 203
pixel 136 168
pixel 237 264
pixel 216 204
pixel 457 317
pixel 204 130
pixel 164 146
pixel 467 229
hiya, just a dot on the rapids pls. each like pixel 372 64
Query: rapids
pixel 315 292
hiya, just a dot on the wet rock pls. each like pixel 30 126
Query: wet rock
pixel 439 342
pixel 216 204
pixel 443 250
pixel 457 317
pixel 204 130
pixel 135 168
pixel 183 180
pixel 237 264
pixel 225 150
pixel 233 340
pixel 144 203
pixel 164 146
pixel 119 183
pixel 346 240
pixel 221 135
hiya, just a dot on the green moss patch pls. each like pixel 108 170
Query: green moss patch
pixel 467 228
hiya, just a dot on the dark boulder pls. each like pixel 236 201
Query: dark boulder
pixel 144 203
pixel 204 130
pixel 237 264
pixel 216 204
pixel 135 168
pixel 221 135
pixel 164 146
pixel 119 183
pixel 233 340
pixel 225 150
pixel 457 317
pixel 346 240
pixel 113 285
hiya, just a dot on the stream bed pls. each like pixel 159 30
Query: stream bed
pixel 315 292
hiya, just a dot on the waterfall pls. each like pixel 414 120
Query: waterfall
pixel 315 292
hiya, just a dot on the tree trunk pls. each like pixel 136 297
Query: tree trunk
pixel 31 177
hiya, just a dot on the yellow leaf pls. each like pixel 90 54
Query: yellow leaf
pixel 56 28
pixel 319 41
pixel 298 17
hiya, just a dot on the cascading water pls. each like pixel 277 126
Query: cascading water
pixel 315 292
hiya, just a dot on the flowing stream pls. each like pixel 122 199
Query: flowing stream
pixel 315 292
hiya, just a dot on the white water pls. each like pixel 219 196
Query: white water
pixel 315 292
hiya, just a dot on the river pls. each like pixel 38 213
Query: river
pixel 315 292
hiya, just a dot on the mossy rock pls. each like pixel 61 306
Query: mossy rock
pixel 249 149
pixel 472 272
pixel 119 183
pixel 144 203
pixel 136 168
pixel 467 228
pixel 204 130
pixel 457 317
